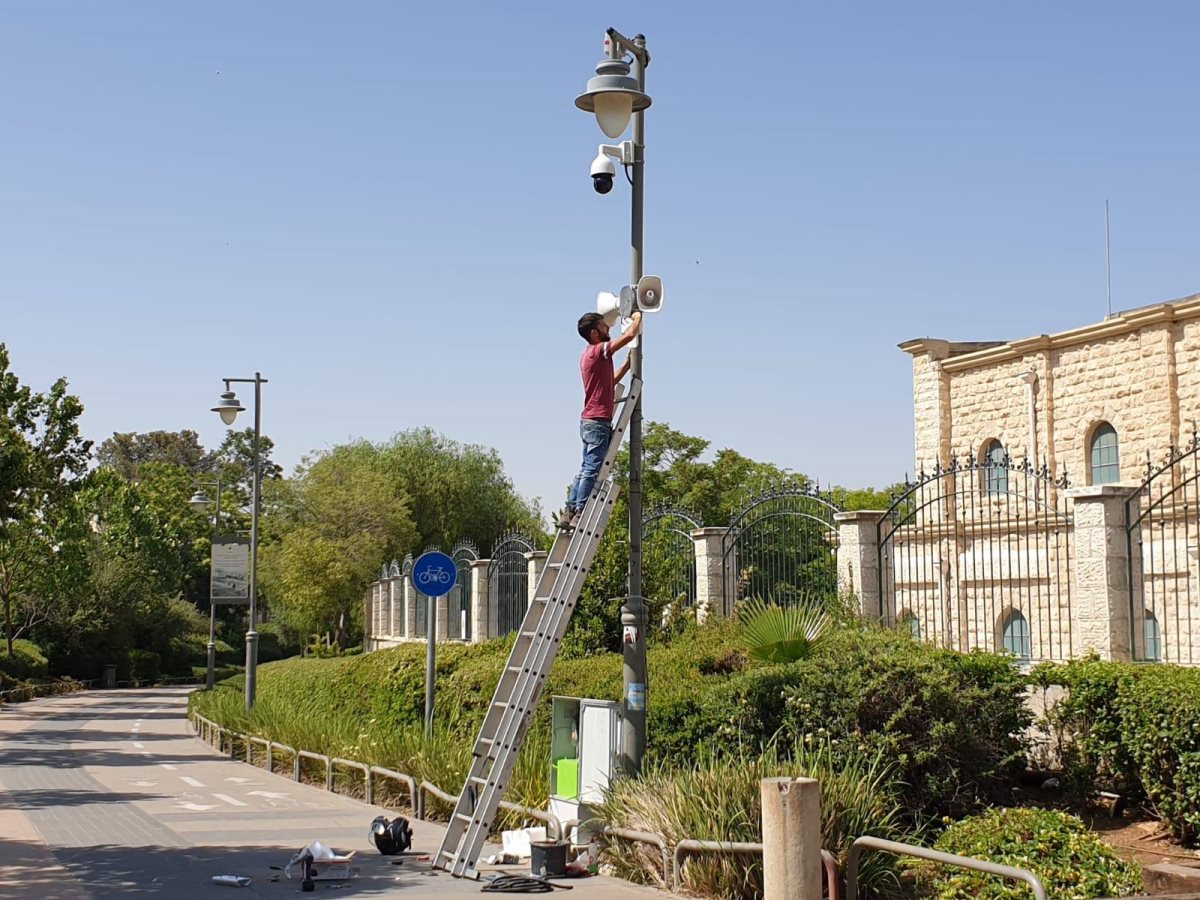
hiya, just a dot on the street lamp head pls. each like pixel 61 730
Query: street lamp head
pixel 228 407
pixel 613 96
pixel 199 501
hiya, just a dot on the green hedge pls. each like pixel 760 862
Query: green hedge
pixel 1135 729
pixel 946 721
pixel 27 661
pixel 950 722
pixel 1072 862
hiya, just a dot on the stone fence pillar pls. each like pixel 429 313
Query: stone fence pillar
pixel 858 558
pixel 480 614
pixel 536 562
pixel 713 583
pixel 411 599
pixel 441 608
pixel 368 624
pixel 396 606
pixel 1100 618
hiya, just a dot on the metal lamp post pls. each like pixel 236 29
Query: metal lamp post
pixel 614 95
pixel 199 503
pixel 228 407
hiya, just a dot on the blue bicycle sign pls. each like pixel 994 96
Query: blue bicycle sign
pixel 434 574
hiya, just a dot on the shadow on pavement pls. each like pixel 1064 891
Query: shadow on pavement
pixel 54 797
pixel 107 871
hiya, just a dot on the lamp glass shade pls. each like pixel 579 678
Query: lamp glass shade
pixel 199 501
pixel 228 407
pixel 613 111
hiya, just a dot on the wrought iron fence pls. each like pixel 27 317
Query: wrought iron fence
pixel 978 555
pixel 669 556
pixel 781 547
pixel 458 602
pixel 1163 522
pixel 508 581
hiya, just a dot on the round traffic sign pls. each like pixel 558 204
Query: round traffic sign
pixel 434 574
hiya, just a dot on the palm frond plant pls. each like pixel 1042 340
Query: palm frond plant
pixel 781 634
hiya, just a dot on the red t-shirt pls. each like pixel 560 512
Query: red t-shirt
pixel 596 366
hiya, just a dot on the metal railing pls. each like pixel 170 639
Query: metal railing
pixel 950 859
pixel 684 847
pixel 672 856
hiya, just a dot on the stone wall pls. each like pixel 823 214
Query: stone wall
pixel 1138 371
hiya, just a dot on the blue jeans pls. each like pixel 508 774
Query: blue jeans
pixel 596 434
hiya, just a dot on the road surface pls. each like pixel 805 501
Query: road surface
pixel 108 793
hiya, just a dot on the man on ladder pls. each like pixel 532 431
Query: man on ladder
pixel 599 396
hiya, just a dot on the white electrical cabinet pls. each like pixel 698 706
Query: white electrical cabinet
pixel 584 755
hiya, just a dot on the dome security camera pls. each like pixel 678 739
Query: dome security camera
pixel 603 171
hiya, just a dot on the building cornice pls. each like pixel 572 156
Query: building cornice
pixel 1114 326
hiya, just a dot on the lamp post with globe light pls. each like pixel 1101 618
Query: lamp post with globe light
pixel 228 408
pixel 615 96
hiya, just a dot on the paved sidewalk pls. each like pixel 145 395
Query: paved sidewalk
pixel 108 793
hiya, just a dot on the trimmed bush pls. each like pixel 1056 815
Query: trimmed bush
pixel 1135 729
pixel 27 661
pixel 946 721
pixel 718 797
pixel 949 721
pixel 1072 862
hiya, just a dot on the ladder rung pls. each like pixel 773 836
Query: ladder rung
pixel 477 779
pixel 449 854
pixel 464 817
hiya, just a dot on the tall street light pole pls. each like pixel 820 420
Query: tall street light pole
pixel 613 95
pixel 199 502
pixel 228 407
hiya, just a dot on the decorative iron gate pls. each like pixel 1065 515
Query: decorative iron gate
pixel 978 555
pixel 508 581
pixel 669 556
pixel 458 603
pixel 1163 517
pixel 781 547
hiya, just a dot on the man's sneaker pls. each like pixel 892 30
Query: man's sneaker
pixel 575 517
pixel 567 517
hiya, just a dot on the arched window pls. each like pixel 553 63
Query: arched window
pixel 1153 635
pixel 1016 637
pixel 995 468
pixel 1105 457
pixel 909 621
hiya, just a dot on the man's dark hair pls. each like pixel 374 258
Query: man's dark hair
pixel 587 323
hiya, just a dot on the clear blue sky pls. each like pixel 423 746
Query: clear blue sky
pixel 385 208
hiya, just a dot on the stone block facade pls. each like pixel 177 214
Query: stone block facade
pixel 1043 397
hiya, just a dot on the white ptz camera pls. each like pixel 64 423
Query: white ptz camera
pixel 603 168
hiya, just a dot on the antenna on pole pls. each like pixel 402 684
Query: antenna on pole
pixel 1108 255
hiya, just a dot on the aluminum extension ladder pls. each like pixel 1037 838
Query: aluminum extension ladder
pixel 524 676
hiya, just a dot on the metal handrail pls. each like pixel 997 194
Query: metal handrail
pixel 408 780
pixel 550 819
pixel 352 764
pixel 949 859
pixel 688 845
pixel 644 837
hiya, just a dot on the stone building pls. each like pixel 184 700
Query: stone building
pixel 1092 544
pixel 1092 401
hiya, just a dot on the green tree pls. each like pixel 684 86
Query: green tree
pixel 42 458
pixel 333 524
pixel 127 452
pixel 455 491
pixel 128 544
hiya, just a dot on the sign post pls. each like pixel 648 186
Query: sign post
pixel 434 575
pixel 229 574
